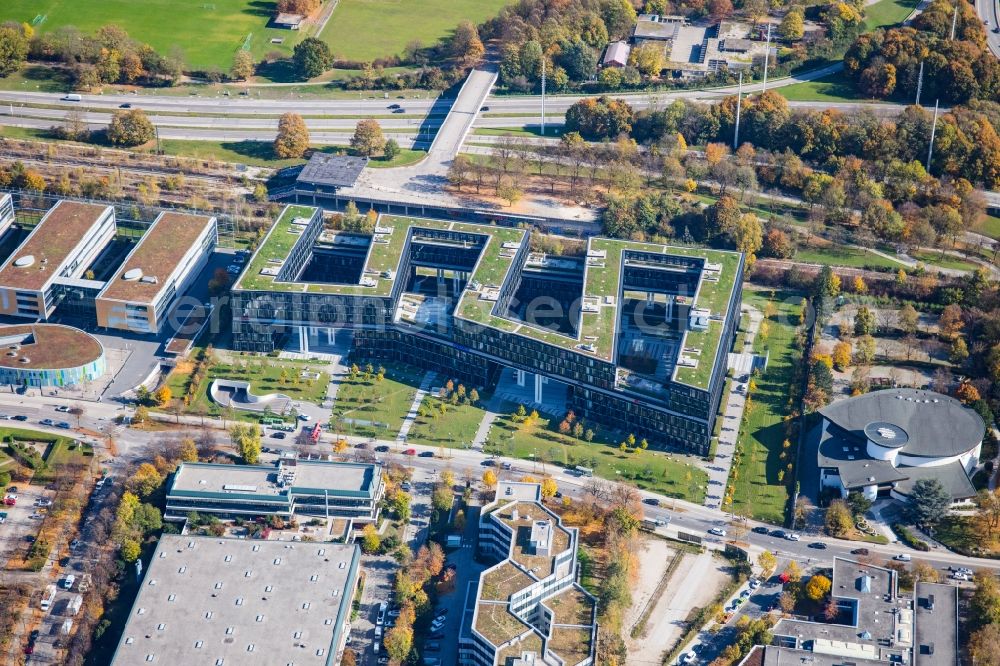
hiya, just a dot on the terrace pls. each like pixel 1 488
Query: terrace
pixel 527 513
pixel 498 625
pixel 571 606
pixel 502 581
pixel 530 643
pixel 571 644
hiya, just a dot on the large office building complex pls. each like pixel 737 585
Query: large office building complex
pixel 161 266
pixel 49 355
pixel 230 602
pixel 527 608
pixel 289 488
pixel 637 332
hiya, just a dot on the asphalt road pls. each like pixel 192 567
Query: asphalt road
pixel 987 10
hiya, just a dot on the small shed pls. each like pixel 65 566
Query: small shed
pixel 616 55
pixel 289 21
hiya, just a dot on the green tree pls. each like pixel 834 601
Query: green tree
pixel 130 551
pixel 398 642
pixel 391 150
pixel 818 587
pixel 864 322
pixel 838 518
pixel 14 45
pixel 858 503
pixel 958 354
pixel 909 319
pixel 442 498
pixel 312 57
pixel 928 503
pixel 144 481
pixel 793 25
pixel 246 439
pixel 400 504
pixel 292 140
pixel 130 128
pixel 368 139
pixel 647 58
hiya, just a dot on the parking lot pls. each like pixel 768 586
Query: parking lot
pixel 20 526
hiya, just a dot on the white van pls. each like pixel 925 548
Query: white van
pixel 50 595
pixel 72 97
pixel 68 581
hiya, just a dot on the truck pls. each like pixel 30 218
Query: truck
pixel 48 598
pixel 75 604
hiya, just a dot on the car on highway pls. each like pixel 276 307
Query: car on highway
pixel 62 408
pixel 392 106
pixel 125 105
pixel 651 500
pixel 4 417
pixel 792 536
pixel 902 557
pixel 410 452
pixel 818 545
pixel 47 422
pixel 382 449
pixel 779 534
pixel 426 454
pixel 64 425
pixel 961 576
pixel 717 531
pixel 399 110
pixel 759 530
pixel 20 417
pixel 305 417
pixel 860 551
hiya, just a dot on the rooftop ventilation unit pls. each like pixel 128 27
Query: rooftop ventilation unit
pixel 25 261
pixel 149 279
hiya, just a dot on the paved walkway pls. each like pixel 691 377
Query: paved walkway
pixel 732 417
pixel 411 416
pixel 492 412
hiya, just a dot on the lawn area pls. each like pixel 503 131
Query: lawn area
pixel 456 427
pixel 990 226
pixel 932 258
pixel 260 153
pixel 59 451
pixel 208 32
pixel 887 12
pixel 833 88
pixel 264 375
pixel 375 408
pixel 757 491
pixel 369 29
pixel 650 470
pixel 843 256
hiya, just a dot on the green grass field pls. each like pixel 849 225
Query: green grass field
pixel 369 29
pixel 833 88
pixel 455 428
pixel 936 259
pixel 887 12
pixel 60 451
pixel 650 470
pixel 990 226
pixel 264 375
pixel 841 256
pixel 757 491
pixel 380 402
pixel 208 32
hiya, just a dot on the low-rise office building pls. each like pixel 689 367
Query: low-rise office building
pixel 229 602
pixel 636 333
pixel 289 488
pixel 883 442
pixel 527 608
pixel 161 266
pixel 7 216
pixel 58 250
pixel 876 624
pixel 42 355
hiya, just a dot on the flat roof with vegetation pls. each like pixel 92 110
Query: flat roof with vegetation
pixel 601 289
pixel 47 347
pixel 156 255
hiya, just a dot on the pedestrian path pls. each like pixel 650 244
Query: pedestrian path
pixel 411 416
pixel 492 412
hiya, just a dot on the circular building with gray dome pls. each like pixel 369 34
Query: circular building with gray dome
pixel 883 442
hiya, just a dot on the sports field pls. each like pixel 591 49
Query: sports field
pixel 369 29
pixel 208 32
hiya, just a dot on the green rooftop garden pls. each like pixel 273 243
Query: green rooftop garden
pixel 708 342
pixel 277 244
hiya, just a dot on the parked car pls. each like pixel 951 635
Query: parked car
pixel 278 435
pixel 304 417
pixel 432 646
pixel 688 657
pixel 67 582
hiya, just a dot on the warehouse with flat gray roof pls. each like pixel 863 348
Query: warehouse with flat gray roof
pixel 229 602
